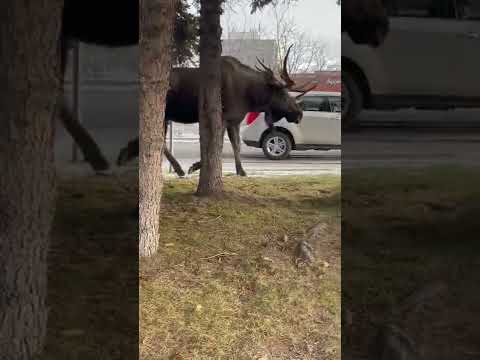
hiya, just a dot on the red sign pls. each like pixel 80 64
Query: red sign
pixel 329 81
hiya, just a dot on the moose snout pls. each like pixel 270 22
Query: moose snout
pixel 295 117
pixel 300 117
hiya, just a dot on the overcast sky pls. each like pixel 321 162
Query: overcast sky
pixel 321 18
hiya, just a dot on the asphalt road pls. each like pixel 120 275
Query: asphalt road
pixel 410 138
pixel 111 116
pixel 255 163
pixel 188 152
pixel 399 138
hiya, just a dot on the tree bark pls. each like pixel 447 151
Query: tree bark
pixel 30 86
pixel 210 100
pixel 157 18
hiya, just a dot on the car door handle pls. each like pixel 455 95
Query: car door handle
pixel 470 35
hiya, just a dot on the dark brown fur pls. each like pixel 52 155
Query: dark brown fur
pixel 243 90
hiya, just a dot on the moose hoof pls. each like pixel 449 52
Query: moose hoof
pixel 106 172
pixel 241 173
pixel 181 173
pixel 122 157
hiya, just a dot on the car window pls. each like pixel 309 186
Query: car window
pixel 421 8
pixel 335 104
pixel 315 103
pixel 322 103
pixel 468 10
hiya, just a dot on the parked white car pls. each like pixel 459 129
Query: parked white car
pixel 428 60
pixel 320 128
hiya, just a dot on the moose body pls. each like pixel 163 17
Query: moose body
pixel 107 23
pixel 243 90
pixel 85 21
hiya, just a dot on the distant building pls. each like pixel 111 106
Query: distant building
pixel 246 47
pixel 246 35
pixel 103 64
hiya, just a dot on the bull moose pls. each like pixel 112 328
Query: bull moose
pixel 243 90
pixel 364 20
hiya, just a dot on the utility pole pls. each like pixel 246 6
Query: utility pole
pixel 170 168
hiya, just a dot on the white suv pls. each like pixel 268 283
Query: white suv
pixel 429 60
pixel 320 128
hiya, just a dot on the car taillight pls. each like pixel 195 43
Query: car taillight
pixel 251 117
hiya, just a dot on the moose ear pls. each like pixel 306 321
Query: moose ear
pixel 275 83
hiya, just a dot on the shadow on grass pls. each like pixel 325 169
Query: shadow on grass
pixel 402 229
pixel 93 274
pixel 195 304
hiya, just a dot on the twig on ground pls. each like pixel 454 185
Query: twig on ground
pixel 210 220
pixel 222 254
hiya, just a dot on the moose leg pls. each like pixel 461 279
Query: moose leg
pixel 234 136
pixel 86 143
pixel 198 165
pixel 176 166
pixel 131 151
pixel 84 140
pixel 195 167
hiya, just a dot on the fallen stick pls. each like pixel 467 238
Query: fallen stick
pixel 225 253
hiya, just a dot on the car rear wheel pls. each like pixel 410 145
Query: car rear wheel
pixel 277 145
pixel 352 100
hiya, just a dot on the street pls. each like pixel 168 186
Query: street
pixel 399 138
pixel 255 163
pixel 413 138
pixel 110 115
pixel 187 152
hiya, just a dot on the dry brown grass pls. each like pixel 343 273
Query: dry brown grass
pixel 223 286
pixel 402 229
pixel 250 300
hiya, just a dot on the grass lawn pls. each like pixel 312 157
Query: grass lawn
pixel 402 229
pixel 223 285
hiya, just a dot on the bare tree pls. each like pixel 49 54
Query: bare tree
pixel 29 80
pixel 308 53
pixel 157 18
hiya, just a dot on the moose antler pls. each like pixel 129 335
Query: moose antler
pixel 265 69
pixel 304 91
pixel 284 75
pixel 290 84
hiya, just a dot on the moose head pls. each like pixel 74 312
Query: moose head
pixel 282 104
pixel 366 21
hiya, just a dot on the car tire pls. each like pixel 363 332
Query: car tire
pixel 277 145
pixel 352 100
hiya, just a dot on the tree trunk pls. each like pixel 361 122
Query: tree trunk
pixel 210 100
pixel 29 81
pixel 157 18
